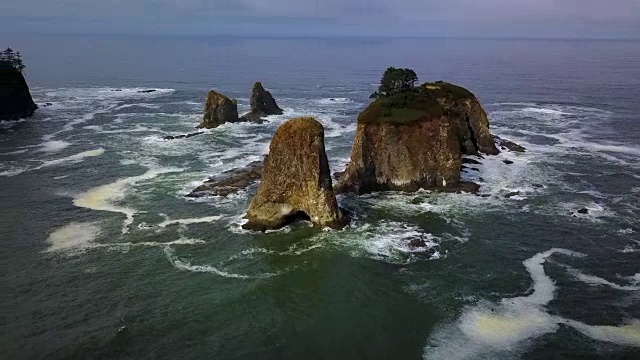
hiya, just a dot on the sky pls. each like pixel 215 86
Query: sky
pixel 436 18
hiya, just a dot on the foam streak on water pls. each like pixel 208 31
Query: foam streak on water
pixel 103 197
pixel 489 330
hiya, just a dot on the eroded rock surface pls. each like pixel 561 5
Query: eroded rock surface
pixel 218 110
pixel 296 181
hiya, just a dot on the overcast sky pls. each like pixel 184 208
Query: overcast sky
pixel 457 18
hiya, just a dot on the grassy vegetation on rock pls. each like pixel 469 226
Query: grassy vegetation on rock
pixel 412 105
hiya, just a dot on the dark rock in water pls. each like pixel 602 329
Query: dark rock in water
pixel 183 136
pixel 116 90
pixel 15 98
pixel 296 181
pixel 337 175
pixel 470 161
pixel 512 194
pixel 508 162
pixel 583 211
pixel 47 104
pixel 229 182
pixel 538 186
pixel 262 104
pixel 218 110
pixel 504 143
pixel 146 91
pixel 485 195
pixel 416 243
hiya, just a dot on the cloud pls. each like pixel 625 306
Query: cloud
pixel 401 16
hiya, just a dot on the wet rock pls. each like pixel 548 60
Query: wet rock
pixel 229 182
pixel 262 104
pixel 470 161
pixel 182 136
pixel 512 194
pixel 15 98
pixel 296 181
pixel 147 91
pixel 507 144
pixel 507 161
pixel 583 211
pixel 218 110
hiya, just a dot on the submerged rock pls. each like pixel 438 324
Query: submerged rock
pixel 583 211
pixel 182 136
pixel 296 182
pixel 507 161
pixel 147 91
pixel 229 182
pixel 218 110
pixel 414 139
pixel 15 98
pixel 262 104
pixel 509 145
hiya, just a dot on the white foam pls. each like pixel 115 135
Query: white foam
pixel 103 197
pixel 597 281
pixel 332 101
pixel 74 158
pixel 184 265
pixel 207 219
pixel 490 329
pixel 627 335
pixel 75 235
pixel 53 146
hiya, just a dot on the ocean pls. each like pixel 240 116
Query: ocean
pixel 104 257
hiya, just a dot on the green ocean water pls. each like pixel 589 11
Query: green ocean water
pixel 104 258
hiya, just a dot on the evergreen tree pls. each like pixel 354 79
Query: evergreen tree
pixel 395 80
pixel 10 58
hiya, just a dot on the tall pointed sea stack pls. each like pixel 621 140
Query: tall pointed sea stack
pixel 414 139
pixel 262 104
pixel 296 180
pixel 218 110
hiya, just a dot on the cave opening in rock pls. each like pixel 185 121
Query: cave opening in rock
pixel 295 217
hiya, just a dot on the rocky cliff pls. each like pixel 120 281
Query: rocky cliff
pixel 218 109
pixel 415 139
pixel 15 98
pixel 262 104
pixel 296 182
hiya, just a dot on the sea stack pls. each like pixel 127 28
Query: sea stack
pixel 262 104
pixel 414 140
pixel 15 98
pixel 218 110
pixel 296 182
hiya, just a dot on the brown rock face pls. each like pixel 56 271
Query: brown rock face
pixel 405 157
pixel 229 182
pixel 218 110
pixel 471 125
pixel 296 181
pixel 262 103
pixel 15 99
pixel 415 139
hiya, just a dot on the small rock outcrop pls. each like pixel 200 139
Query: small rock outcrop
pixel 15 98
pixel 218 110
pixel 229 182
pixel 296 182
pixel 262 104
pixel 415 139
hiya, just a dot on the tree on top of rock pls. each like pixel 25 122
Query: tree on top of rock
pixel 396 80
pixel 9 58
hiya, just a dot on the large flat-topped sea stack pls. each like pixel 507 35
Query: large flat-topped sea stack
pixel 414 139
pixel 296 181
